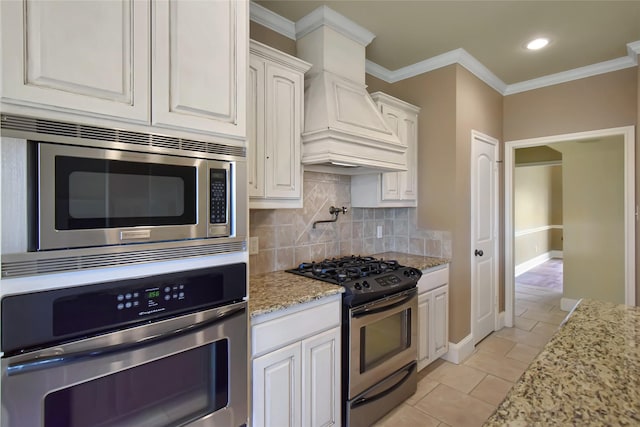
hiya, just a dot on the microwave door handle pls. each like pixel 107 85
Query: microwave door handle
pixel 381 308
pixel 47 362
pixel 365 400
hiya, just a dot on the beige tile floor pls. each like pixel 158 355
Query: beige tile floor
pixel 467 394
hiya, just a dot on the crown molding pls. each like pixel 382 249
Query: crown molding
pixel 575 74
pixel 272 20
pixel 327 16
pixel 332 19
pixel 457 56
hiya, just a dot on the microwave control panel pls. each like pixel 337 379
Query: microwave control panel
pixel 218 198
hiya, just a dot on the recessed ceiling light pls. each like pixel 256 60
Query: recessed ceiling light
pixel 537 44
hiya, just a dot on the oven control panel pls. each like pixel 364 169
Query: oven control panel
pixel 61 314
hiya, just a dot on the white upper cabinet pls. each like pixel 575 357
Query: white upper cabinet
pixel 275 113
pixel 82 56
pixel 392 189
pixel 199 65
pixel 171 64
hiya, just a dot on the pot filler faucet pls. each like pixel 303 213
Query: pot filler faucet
pixel 333 211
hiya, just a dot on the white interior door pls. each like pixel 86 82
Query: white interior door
pixel 483 235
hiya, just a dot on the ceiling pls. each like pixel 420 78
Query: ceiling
pixel 582 33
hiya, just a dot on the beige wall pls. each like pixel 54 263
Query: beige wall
pixel 537 204
pixel 269 37
pixel 593 207
pixel 538 154
pixel 599 102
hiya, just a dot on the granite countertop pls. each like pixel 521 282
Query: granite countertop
pixel 269 292
pixel 278 290
pixel 416 261
pixel 587 374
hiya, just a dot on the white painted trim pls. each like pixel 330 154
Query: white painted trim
pixel 500 324
pixel 272 20
pixel 534 230
pixel 557 254
pixel 548 163
pixel 575 74
pixel 523 267
pixel 478 136
pixel 324 15
pixel 567 304
pixel 459 352
pixel 628 134
pixel 460 56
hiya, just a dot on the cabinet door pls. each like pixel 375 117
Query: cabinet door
pixel 283 129
pixel 321 379
pixel 77 56
pixel 424 323
pixel 199 65
pixel 391 180
pixel 255 127
pixel 408 181
pixel 276 388
pixel 439 331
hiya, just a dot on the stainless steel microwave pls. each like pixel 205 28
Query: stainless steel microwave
pixel 97 197
pixel 78 196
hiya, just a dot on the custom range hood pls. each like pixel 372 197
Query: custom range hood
pixel 344 132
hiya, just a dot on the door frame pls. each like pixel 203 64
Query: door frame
pixel 628 134
pixel 478 136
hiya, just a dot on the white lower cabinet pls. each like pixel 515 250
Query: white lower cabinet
pixel 433 315
pixel 296 367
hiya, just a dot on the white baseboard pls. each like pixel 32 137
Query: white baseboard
pixel 534 262
pixel 501 321
pixel 567 304
pixel 459 352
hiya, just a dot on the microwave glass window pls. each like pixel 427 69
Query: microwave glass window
pixel 125 195
pixel 99 193
pixel 384 339
pixel 168 391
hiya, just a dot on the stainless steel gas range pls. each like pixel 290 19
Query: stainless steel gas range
pixel 379 332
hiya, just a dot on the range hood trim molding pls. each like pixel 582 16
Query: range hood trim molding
pixel 333 135
pixel 324 15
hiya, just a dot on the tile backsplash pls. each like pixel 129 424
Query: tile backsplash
pixel 287 237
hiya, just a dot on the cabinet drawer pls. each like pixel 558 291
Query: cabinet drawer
pixel 433 279
pixel 293 327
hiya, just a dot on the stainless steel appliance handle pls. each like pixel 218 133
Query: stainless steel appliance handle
pixel 365 400
pixel 46 362
pixel 384 305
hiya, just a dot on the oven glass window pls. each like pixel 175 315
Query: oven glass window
pixel 384 339
pixel 97 193
pixel 165 392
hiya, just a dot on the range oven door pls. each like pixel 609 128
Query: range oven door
pixel 382 339
pixel 184 371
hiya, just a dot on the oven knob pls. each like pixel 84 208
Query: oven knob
pixel 366 284
pixel 358 286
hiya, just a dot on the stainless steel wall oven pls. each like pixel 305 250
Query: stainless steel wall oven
pixel 167 350
pixel 78 196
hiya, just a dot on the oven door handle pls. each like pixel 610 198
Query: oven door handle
pixel 384 306
pixel 46 362
pixel 366 400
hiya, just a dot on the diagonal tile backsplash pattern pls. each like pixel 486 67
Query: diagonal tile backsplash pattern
pixel 287 238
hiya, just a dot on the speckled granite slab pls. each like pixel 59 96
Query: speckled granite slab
pixel 588 374
pixel 416 261
pixel 279 290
